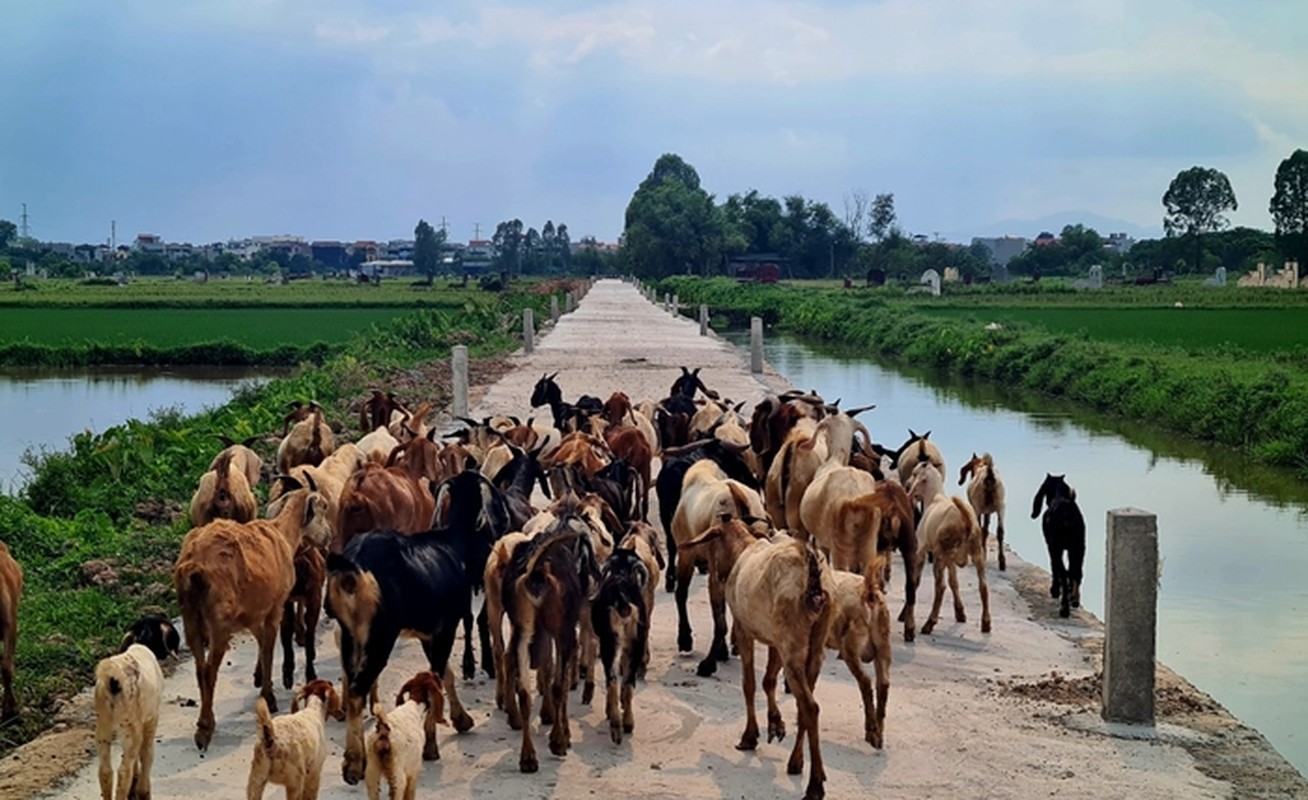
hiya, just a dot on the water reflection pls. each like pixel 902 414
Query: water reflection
pixel 1233 598
pixel 44 407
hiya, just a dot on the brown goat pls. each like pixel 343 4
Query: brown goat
pixel 224 493
pixel 860 632
pixel 950 533
pixel 243 458
pixel 234 576
pixel 381 497
pixel 376 411
pixel 986 494
pixel 11 588
pixel 630 444
pixel 780 593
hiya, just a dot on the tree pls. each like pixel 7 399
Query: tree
pixel 883 216
pixel 1289 207
pixel 8 233
pixel 508 245
pixel 1195 202
pixel 563 245
pixel 427 249
pixel 671 225
pixel 856 212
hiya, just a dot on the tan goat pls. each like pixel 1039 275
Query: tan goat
pixel 310 441
pixel 780 592
pixel 224 493
pixel 860 632
pixel 378 445
pixel 950 533
pixel 707 495
pixel 11 588
pixel 986 494
pixel 234 576
pixel 243 458
pixel 291 749
pixel 397 745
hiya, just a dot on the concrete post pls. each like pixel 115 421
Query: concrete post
pixel 459 370
pixel 568 303
pixel 1130 616
pixel 676 304
pixel 703 319
pixel 756 345
pixel 528 331
pixel 554 307
pixel 667 301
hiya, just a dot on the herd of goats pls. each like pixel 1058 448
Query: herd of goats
pixel 792 513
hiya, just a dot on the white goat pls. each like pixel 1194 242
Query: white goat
pixel 292 748
pixel 405 737
pixel 128 690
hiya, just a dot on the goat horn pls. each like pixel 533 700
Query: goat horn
pixel 854 412
pixel 226 441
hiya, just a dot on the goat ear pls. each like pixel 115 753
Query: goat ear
pixel 339 563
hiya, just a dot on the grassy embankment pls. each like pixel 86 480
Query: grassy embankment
pixel 157 322
pixel 1208 372
pixel 110 502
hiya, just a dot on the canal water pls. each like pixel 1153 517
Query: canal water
pixel 42 409
pixel 1233 535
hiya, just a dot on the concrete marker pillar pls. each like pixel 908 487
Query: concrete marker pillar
pixel 676 304
pixel 568 303
pixel 703 319
pixel 1130 616
pixel 554 308
pixel 528 331
pixel 459 371
pixel 756 345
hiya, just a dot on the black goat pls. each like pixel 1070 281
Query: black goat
pixel 486 505
pixel 567 416
pixel 156 632
pixel 622 488
pixel 516 480
pixel 1064 530
pixel 387 583
pixel 620 617
pixel 668 484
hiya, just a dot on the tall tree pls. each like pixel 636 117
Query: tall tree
pixel 8 233
pixel 1289 207
pixel 508 245
pixel 672 225
pixel 857 205
pixel 427 249
pixel 563 245
pixel 547 245
pixel 1196 201
pixel 883 216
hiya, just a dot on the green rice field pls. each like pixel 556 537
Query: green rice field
pixel 1259 330
pixel 259 328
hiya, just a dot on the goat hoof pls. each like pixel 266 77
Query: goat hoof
pixel 707 667
pixel 985 626
pixel 258 679
pixel 288 679
pixel 1065 612
pixel 462 722
pixel 748 743
pixel 270 699
pixel 528 764
pixel 817 793
pixel 628 727
pixel 352 770
pixel 431 752
pixel 960 616
pixel 670 585
pixel 909 634
pixel 795 766
pixel 928 627
pixel 685 642
pixel 489 669
pixel 559 747
pixel 615 732
pixel 873 738
pixel 1053 590
pixel 310 674
pixel 1003 562
pixel 203 735
pixel 587 694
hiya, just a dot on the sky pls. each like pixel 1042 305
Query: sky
pixel 350 119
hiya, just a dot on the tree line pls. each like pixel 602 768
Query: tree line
pixel 673 226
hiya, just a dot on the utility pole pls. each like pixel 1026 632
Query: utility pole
pixel 25 230
pixel 113 234
pixel 476 230
pixel 444 224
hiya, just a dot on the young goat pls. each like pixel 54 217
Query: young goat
pixel 11 588
pixel 397 745
pixel 1064 530
pixel 860 633
pixel 291 749
pixel 986 494
pixel 128 689
pixel 620 616
pixel 950 534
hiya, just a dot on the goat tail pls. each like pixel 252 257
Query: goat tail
pixel 267 737
pixel 815 597
pixel 192 587
pixel 381 744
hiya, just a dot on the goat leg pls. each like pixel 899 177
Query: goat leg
pixel 288 646
pixel 488 664
pixel 960 614
pixel 749 738
pixel 776 724
pixel 469 658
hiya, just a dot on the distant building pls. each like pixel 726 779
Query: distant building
pixel 479 255
pixel 329 253
pixel 398 249
pixel 1002 248
pixel 388 268
pixel 149 243
pixel 756 267
pixel 1119 243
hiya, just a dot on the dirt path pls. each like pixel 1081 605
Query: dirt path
pixel 1009 714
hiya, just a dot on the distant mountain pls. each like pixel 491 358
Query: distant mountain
pixel 1054 223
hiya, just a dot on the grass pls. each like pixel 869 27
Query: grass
pixel 238 293
pixel 257 328
pixel 1258 330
